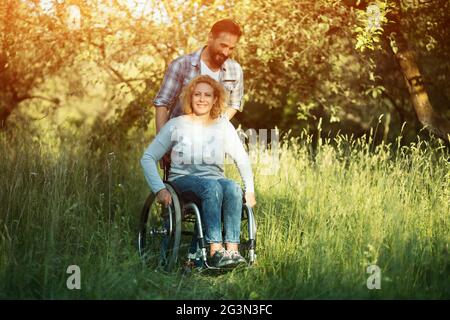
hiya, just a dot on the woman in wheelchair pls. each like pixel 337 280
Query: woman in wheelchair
pixel 199 140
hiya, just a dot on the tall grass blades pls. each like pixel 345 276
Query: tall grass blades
pixel 332 208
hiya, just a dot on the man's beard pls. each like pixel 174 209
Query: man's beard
pixel 219 59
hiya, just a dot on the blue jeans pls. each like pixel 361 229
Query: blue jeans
pixel 217 197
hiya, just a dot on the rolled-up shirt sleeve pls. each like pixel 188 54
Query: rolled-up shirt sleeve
pixel 237 94
pixel 171 85
pixel 154 152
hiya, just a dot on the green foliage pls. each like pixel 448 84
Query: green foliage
pixel 428 33
pixel 301 60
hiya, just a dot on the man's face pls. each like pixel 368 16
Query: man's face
pixel 221 47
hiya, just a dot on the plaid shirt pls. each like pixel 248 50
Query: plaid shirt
pixel 186 67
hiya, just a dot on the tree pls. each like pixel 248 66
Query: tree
pixel 302 60
pixel 395 32
pixel 39 43
pixel 33 46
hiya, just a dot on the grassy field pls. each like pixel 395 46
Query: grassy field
pixel 323 218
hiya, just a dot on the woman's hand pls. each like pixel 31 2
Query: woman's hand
pixel 163 197
pixel 250 199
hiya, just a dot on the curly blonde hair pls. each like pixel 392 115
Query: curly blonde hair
pixel 219 93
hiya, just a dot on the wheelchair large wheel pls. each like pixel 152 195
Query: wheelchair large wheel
pixel 160 231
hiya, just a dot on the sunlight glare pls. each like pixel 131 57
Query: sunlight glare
pixel 47 6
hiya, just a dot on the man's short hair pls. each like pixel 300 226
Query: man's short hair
pixel 226 25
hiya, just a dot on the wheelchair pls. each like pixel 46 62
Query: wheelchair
pixel 166 233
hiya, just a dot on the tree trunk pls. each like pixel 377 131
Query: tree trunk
pixel 5 112
pixel 414 82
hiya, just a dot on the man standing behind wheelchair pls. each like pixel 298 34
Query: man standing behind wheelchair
pixel 199 140
pixel 213 60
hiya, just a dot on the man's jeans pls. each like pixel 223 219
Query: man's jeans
pixel 217 196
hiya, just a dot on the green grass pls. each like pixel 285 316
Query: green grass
pixel 327 214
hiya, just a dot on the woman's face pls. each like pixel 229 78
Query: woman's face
pixel 203 99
